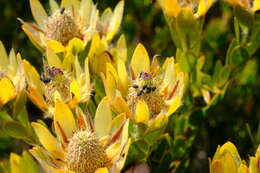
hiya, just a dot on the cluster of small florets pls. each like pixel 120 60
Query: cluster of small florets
pixel 146 88
pixel 62 27
pixel 84 154
pixel 56 80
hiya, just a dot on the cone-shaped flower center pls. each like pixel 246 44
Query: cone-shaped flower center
pixel 145 87
pixel 62 27
pixel 84 154
pixel 56 80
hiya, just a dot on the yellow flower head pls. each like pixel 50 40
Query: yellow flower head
pixel 227 160
pixel 81 146
pixel 197 7
pixel 148 93
pixel 12 79
pixel 250 5
pixel 57 82
pixel 71 19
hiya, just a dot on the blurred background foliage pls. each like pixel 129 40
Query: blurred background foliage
pixel 235 118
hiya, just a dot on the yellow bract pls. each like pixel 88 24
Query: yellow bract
pixel 168 81
pixel 112 134
pixel 140 61
pixel 103 118
pixel 85 17
pixel 253 5
pixel 227 160
pixel 7 91
pixel 142 112
pixel 174 7
pixel 12 80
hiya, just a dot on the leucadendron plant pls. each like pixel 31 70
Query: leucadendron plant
pixel 80 145
pixel 102 111
pixel 12 80
pixel 227 160
pixel 205 87
pixel 148 93
pixel 19 164
pixel 71 19
pixel 61 78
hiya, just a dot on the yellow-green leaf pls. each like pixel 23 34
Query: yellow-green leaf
pixel 53 5
pixel 3 57
pixel 48 140
pixel 15 163
pixel 103 118
pixel 116 20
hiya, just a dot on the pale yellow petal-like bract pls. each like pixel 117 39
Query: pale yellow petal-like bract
pixel 48 140
pixel 140 61
pixel 142 112
pixel 38 12
pixel 103 118
pixel 64 117
pixel 7 91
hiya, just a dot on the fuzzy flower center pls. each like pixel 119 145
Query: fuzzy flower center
pixel 84 154
pixel 62 27
pixel 145 88
pixel 56 80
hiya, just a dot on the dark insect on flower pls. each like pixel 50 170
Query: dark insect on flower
pixel 44 78
pixel 93 92
pixel 145 76
pixel 135 86
pixel 153 88
pixel 148 90
pixel 140 75
pixel 54 71
pixel 139 93
pixel 62 10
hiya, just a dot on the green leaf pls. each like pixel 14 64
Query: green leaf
pixel 238 56
pixel 223 75
pixel 217 70
pixel 15 129
pixel 137 130
pixel 231 46
pixel 254 43
pixel 4 116
pixel 244 16
pixel 186 21
pixel 237 29
pixel 187 61
pixel 22 117
pixel 152 137
pixel 138 152
pixel 28 165
pixel 19 103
